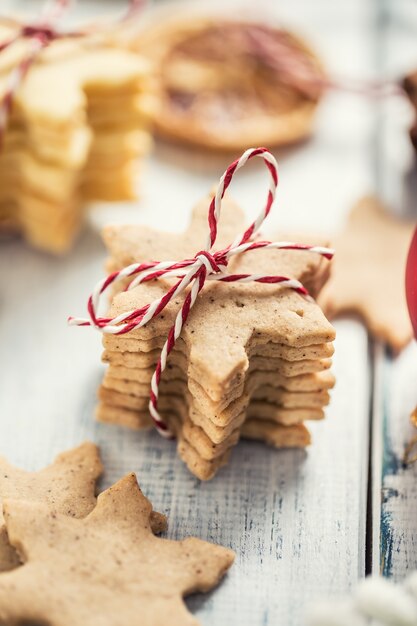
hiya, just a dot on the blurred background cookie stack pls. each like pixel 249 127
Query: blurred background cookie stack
pixel 75 131
pixel 252 360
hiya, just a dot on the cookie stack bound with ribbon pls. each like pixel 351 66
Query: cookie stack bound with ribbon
pixel 250 353
pixel 72 126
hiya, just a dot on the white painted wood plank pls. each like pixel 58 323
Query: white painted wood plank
pixel 293 518
pixel 297 521
pixel 377 362
pixel 398 554
pixel 395 487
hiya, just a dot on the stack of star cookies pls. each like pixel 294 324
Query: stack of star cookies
pixel 75 131
pixel 252 359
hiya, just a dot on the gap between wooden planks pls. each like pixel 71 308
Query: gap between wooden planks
pixel 394 486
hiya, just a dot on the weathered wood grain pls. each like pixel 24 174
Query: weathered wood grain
pixel 297 521
pixel 294 519
pixel 398 553
pixel 395 486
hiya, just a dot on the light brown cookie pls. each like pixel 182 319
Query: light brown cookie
pixel 276 435
pixel 201 468
pixel 204 469
pixel 222 417
pixel 232 350
pixel 195 434
pixel 129 345
pixel 138 367
pixel 256 376
pixel 128 244
pixel 112 413
pixel 274 373
pixel 221 83
pixel 204 456
pixel 244 316
pixel 279 397
pixel 106 569
pixel 368 273
pixel 303 383
pixel 67 486
pixel 257 410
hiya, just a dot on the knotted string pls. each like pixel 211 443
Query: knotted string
pixel 206 265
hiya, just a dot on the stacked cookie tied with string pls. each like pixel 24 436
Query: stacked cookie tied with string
pixel 247 356
pixel 73 131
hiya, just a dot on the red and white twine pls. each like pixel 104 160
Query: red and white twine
pixel 205 265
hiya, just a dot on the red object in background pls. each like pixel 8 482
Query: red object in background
pixel 411 282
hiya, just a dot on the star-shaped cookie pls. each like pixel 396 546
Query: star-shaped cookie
pixel 368 273
pixel 67 486
pixel 108 569
pixel 230 326
pixel 229 320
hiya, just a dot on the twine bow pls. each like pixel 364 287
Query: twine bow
pixel 205 265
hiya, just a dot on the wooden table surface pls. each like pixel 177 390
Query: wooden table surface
pixel 305 526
